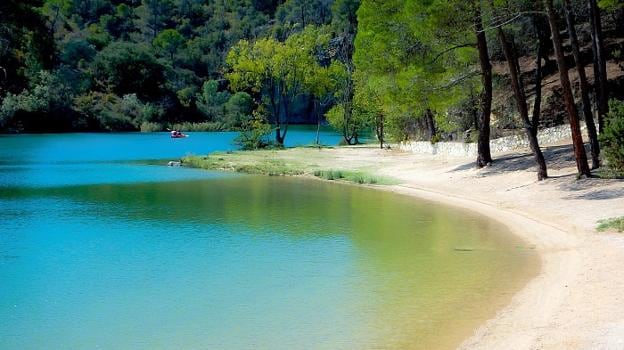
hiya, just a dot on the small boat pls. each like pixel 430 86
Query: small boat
pixel 178 135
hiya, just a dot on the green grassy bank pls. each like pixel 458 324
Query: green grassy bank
pixel 300 161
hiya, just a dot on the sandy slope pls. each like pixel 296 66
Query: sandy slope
pixel 577 300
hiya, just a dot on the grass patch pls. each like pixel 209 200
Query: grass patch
pixel 231 162
pixel 607 173
pixel 329 174
pixel 611 224
pixel 280 163
pixel 199 127
pixel 359 177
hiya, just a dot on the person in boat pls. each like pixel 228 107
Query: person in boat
pixel 176 133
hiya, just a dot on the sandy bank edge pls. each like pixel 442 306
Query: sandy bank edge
pixel 577 299
pixel 535 303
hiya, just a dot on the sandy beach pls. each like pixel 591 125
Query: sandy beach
pixel 577 300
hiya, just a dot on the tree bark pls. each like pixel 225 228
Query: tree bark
pixel 431 129
pixel 587 109
pixel 484 156
pixel 512 63
pixel 318 122
pixel 537 103
pixel 600 63
pixel 379 129
pixel 577 139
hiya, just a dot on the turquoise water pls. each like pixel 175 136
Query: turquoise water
pixel 100 249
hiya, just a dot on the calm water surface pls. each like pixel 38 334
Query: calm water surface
pixel 100 249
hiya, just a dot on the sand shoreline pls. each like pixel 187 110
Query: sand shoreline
pixel 509 328
pixel 577 299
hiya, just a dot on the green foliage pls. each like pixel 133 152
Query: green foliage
pixel 169 41
pixel 126 68
pixel 110 112
pixel 202 126
pixel 238 109
pixel 47 94
pixel 254 134
pixel 186 96
pixel 415 56
pixel 611 5
pixel 359 177
pixel 616 224
pixel 279 71
pixel 329 174
pixel 211 101
pixel 612 137
pixel 151 127
pixel 348 123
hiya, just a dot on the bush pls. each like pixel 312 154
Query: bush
pixel 612 137
pixel 211 101
pixel 254 134
pixel 199 127
pixel 238 109
pixel 350 125
pixel 329 174
pixel 616 224
pixel 44 104
pixel 151 127
pixel 111 112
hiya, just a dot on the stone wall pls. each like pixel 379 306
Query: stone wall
pixel 503 144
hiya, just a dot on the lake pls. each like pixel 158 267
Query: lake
pixel 102 247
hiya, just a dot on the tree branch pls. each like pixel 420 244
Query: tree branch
pixel 435 58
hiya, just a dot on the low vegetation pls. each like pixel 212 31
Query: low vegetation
pixel 612 138
pixel 281 163
pixel 359 177
pixel 616 224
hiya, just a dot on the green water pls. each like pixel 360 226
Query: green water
pixel 101 252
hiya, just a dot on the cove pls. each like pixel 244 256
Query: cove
pixel 99 249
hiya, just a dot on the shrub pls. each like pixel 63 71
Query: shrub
pixel 211 101
pixel 111 112
pixel 151 127
pixel 254 134
pixel 198 127
pixel 238 108
pixel 47 93
pixel 612 137
pixel 329 174
pixel 611 224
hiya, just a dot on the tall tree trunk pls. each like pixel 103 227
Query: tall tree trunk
pixel 431 129
pixel 286 123
pixel 318 123
pixel 537 104
pixel 577 139
pixel 512 63
pixel 484 156
pixel 600 63
pixel 587 109
pixel 474 110
pixel 379 129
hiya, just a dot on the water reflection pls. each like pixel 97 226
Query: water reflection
pixel 247 261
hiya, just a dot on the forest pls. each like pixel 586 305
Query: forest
pixel 395 69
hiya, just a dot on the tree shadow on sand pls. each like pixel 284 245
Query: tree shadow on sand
pixel 557 157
